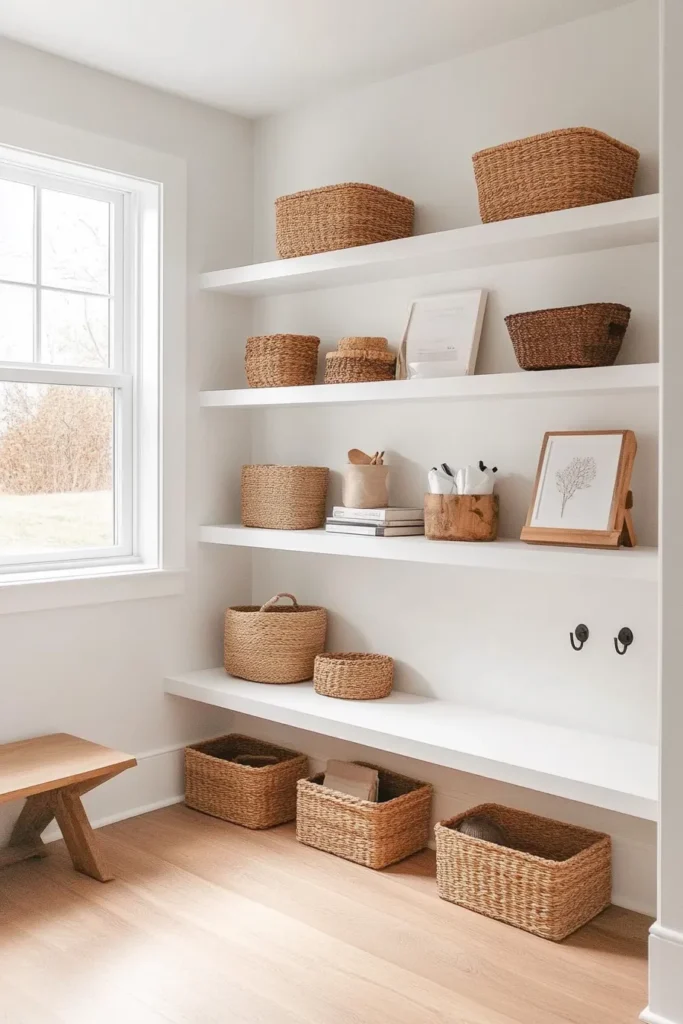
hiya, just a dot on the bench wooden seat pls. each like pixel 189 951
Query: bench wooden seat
pixel 53 772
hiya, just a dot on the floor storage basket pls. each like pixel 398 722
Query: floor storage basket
pixel 369 833
pixel 551 880
pixel 284 497
pixel 281 360
pixel 338 217
pixel 273 643
pixel 553 171
pixel 253 797
pixel 354 676
pixel 568 336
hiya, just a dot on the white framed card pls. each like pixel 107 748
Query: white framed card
pixel 442 335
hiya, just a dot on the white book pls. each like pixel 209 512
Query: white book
pixel 379 515
pixel 369 530
pixel 368 522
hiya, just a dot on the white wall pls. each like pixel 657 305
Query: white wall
pixel 492 639
pixel 97 671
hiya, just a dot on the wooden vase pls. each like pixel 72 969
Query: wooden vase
pixel 461 516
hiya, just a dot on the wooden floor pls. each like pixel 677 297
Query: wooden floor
pixel 208 923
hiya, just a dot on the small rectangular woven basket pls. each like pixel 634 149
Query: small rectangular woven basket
pixel 254 797
pixel 373 834
pixel 553 879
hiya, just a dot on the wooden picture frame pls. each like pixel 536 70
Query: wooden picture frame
pixel 596 479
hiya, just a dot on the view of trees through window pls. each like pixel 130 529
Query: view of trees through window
pixel 56 308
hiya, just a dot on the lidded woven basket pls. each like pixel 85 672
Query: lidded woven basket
pixel 568 336
pixel 375 834
pixel 284 497
pixel 553 171
pixel 281 360
pixel 552 878
pixel 339 217
pixel 273 643
pixel 354 676
pixel 253 797
pixel 359 359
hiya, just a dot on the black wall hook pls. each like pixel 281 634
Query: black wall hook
pixel 625 638
pixel 581 633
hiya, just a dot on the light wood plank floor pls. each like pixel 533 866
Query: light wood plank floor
pixel 208 923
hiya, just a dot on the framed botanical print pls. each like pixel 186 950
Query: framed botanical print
pixel 581 494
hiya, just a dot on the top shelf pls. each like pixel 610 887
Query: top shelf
pixel 560 233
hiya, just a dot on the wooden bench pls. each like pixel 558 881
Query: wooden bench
pixel 53 772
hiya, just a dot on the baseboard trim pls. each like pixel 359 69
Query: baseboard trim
pixel 658 931
pixel 666 970
pixel 648 1016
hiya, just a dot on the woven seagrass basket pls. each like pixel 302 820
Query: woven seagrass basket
pixel 353 676
pixel 551 880
pixel 369 833
pixel 281 360
pixel 338 217
pixel 355 343
pixel 553 339
pixel 253 797
pixel 284 497
pixel 273 643
pixel 358 365
pixel 553 171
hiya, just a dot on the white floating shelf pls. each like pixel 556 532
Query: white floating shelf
pixel 604 771
pixel 543 383
pixel 637 564
pixel 561 233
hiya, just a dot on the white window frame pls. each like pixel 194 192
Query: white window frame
pixel 153 189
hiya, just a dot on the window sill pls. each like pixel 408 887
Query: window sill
pixel 27 592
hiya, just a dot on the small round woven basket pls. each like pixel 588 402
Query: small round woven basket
pixel 273 643
pixel 284 497
pixel 359 365
pixel 353 676
pixel 281 360
pixel 568 336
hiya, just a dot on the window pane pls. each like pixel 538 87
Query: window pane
pixel 56 478
pixel 75 242
pixel 17 203
pixel 16 323
pixel 75 329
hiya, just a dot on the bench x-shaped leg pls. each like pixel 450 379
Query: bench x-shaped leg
pixel 66 806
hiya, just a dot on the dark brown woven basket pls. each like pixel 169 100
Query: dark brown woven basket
pixel 284 497
pixel 369 833
pixel 338 217
pixel 253 797
pixel 555 339
pixel 553 171
pixel 281 360
pixel 552 878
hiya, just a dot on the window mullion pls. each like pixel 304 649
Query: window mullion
pixel 38 244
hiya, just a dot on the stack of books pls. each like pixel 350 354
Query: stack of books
pixel 377 522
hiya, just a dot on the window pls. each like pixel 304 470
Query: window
pixel 79 367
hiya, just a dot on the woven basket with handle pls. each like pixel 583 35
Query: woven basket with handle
pixel 254 797
pixel 273 643
pixel 375 834
pixel 281 360
pixel 553 171
pixel 551 879
pixel 553 339
pixel 284 497
pixel 354 676
pixel 338 217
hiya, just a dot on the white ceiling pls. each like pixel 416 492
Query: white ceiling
pixel 255 57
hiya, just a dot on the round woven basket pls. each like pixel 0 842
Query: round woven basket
pixel 360 344
pixel 273 643
pixel 284 497
pixel 281 360
pixel 554 171
pixel 353 676
pixel 360 365
pixel 569 336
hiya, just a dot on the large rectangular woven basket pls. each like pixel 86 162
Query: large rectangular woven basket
pixel 369 833
pixel 253 797
pixel 551 880
pixel 338 217
pixel 554 171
